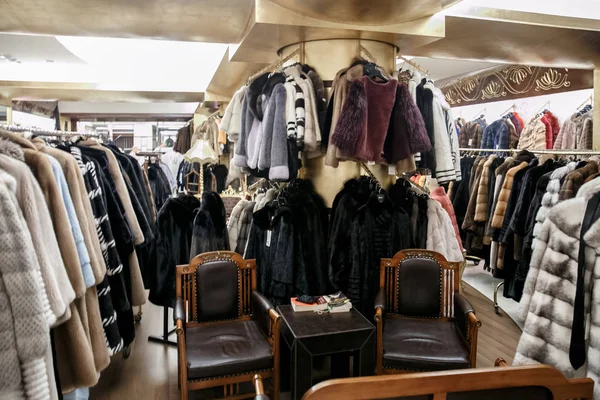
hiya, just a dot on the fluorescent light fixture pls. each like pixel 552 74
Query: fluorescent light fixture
pixel 148 65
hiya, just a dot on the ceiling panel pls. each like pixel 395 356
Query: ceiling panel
pixel 35 48
pixel 207 20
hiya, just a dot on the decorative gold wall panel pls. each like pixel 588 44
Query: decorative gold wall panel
pixel 513 82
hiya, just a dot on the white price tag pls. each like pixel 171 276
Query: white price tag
pixel 391 170
pixel 470 141
pixel 268 244
pixel 497 146
pixel 370 162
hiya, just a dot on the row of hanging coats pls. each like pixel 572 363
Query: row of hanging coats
pixel 299 249
pixel 370 117
pixel 533 219
pixel 77 220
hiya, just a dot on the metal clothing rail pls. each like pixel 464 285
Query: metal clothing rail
pixel 45 132
pixel 555 152
pixel 276 65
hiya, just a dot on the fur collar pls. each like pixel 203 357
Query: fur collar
pixel 11 149
pixel 16 138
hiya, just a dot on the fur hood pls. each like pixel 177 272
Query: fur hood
pixel 11 149
pixel 253 95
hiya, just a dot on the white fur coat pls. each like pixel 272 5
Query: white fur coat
pixel 440 232
pixel 550 290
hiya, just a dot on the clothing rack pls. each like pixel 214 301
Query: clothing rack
pixel 513 108
pixel 273 66
pixel 554 152
pixel 414 64
pixel 589 99
pixel 45 132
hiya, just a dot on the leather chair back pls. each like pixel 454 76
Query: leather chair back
pixel 420 288
pixel 217 291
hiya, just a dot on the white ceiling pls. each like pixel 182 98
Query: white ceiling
pixel 111 64
pixel 440 68
pixel 81 107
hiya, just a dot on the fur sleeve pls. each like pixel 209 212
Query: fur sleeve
pixel 417 134
pixel 352 123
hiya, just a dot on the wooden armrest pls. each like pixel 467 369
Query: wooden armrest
pixel 473 320
pixel 500 362
pixel 179 316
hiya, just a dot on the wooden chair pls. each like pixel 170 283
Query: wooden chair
pixel 423 322
pixel 226 331
pixel 531 382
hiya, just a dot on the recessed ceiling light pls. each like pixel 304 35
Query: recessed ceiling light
pixel 49 61
pixel 2 56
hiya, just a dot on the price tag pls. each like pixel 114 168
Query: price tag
pixel 497 146
pixel 370 162
pixel 470 142
pixel 268 244
pixel 391 170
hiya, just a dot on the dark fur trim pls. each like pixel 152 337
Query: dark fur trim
pixel 417 133
pixel 352 123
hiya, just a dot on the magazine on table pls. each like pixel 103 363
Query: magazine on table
pixel 333 303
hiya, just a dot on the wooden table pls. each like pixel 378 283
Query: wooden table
pixel 309 334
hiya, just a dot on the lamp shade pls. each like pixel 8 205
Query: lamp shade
pixel 201 153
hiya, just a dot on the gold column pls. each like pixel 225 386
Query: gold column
pixel 328 57
pixel 596 112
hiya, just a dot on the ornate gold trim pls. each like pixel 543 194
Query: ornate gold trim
pixel 514 81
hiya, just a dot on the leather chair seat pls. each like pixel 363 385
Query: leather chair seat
pixel 226 348
pixel 424 345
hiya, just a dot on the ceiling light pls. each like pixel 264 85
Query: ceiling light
pixel 49 61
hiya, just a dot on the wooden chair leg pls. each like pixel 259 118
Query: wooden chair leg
pixel 275 385
pixel 184 391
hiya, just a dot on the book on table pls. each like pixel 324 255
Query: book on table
pixel 334 303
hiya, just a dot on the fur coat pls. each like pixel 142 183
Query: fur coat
pixel 439 195
pixel 575 180
pixel 533 135
pixel 210 229
pixel 233 224
pixel 25 338
pixel 483 191
pixel 549 293
pixel 470 135
pixel 441 236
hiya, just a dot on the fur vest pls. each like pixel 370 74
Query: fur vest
pixel 441 236
pixel 549 293
pixel 380 98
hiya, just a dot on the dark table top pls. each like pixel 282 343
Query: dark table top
pixel 310 324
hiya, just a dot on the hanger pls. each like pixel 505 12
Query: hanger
pixel 481 114
pixel 372 71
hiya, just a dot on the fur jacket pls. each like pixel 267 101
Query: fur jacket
pixel 483 191
pixel 406 134
pixel 534 135
pixel 232 119
pixel 25 338
pixel 439 195
pixel 575 133
pixel 233 224
pixel 496 136
pixel 441 235
pixel 312 131
pixel 447 156
pixel 549 293
pixel 575 180
pixel 470 135
pixel 210 229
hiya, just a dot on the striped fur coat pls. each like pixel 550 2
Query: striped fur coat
pixel 550 288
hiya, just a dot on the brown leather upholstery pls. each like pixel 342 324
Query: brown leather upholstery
pixel 462 307
pixel 226 349
pixel 217 290
pixel 260 311
pixel 430 345
pixel 419 288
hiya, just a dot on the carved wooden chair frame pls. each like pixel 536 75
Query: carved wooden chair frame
pixel 185 289
pixel 449 286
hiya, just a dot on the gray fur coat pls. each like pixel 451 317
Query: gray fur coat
pixel 550 290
